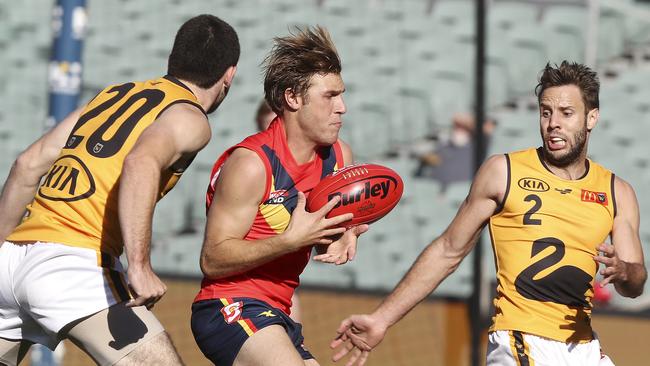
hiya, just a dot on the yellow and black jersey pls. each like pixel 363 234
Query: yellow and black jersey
pixel 544 238
pixel 76 203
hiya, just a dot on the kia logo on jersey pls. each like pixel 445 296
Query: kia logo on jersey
pixel 596 197
pixel 533 184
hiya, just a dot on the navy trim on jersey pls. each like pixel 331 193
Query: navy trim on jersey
pixel 282 179
pixel 614 193
pixel 329 161
pixel 182 101
pixel 502 204
pixel 178 82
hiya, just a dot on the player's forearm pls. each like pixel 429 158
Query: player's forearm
pixel 233 256
pixel 139 185
pixel 632 285
pixel 17 192
pixel 432 266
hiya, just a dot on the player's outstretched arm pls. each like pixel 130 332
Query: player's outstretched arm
pixel 26 172
pixel 624 263
pixel 238 193
pixel 175 137
pixel 361 333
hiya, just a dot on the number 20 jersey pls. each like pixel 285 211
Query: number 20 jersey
pixel 76 203
pixel 544 239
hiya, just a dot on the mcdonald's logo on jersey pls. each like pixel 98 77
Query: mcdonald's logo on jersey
pixel 596 197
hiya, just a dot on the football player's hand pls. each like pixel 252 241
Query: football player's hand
pixel 357 335
pixel 344 248
pixel 309 228
pixel 146 288
pixel 615 269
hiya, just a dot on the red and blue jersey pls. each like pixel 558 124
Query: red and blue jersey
pixel 275 281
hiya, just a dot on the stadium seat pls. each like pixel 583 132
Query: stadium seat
pixel 565 26
pixel 505 14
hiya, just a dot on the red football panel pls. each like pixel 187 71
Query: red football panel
pixel 369 191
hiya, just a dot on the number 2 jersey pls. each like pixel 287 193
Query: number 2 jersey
pixel 544 240
pixel 76 203
pixel 275 281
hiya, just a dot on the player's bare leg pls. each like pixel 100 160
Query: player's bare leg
pixel 12 352
pixel 124 336
pixel 157 351
pixel 270 346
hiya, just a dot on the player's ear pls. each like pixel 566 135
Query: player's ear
pixel 592 118
pixel 293 100
pixel 229 75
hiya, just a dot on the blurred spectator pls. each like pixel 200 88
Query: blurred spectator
pixel 452 159
pixel 264 116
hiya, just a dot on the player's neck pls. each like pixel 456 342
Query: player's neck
pixel 302 148
pixel 573 171
pixel 205 97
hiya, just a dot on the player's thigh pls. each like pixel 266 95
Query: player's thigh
pixel 157 351
pixel 13 351
pixel 270 346
pixel 311 362
pixel 121 332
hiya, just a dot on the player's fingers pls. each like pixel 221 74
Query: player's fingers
pixel 340 339
pixel 352 251
pixel 322 256
pixel 336 342
pixel 343 327
pixel 340 353
pixel 336 220
pixel 329 206
pixel 354 357
pixel 325 241
pixel 604 260
pixel 301 201
pixel 608 250
pixel 138 301
pixel 363 358
pixel 360 229
pixel 327 259
pixel 605 282
pixel 608 271
pixel 340 259
pixel 333 231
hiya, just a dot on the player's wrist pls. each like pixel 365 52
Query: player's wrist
pixel 289 242
pixel 383 319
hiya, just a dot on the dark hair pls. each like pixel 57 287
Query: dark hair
pixel 571 73
pixel 204 48
pixel 294 60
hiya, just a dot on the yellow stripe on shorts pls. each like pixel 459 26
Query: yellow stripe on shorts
pixel 241 322
pixel 247 329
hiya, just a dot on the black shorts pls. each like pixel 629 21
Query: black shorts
pixel 221 326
